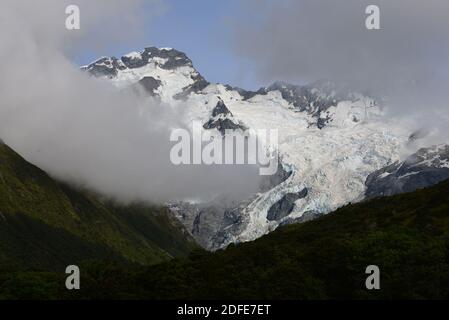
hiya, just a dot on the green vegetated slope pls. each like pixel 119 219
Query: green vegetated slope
pixel 47 225
pixel 407 236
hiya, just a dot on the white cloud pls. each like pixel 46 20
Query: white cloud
pixel 83 130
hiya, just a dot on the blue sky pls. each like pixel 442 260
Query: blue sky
pixel 201 29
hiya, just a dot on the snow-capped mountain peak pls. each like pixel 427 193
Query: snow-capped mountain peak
pixel 171 68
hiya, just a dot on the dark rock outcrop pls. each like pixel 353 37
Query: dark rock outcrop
pixel 174 58
pixel 425 168
pixel 199 83
pixel 150 84
pixel 285 206
pixel 209 224
pixel 109 66
pixel 222 119
pixel 245 94
pixel 105 67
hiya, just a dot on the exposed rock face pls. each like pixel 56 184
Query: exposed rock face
pixel 222 119
pixel 105 67
pixel 221 109
pixel 210 225
pixel 425 168
pixel 285 206
pixel 150 85
pixel 171 58
pixel 199 83
pixel 168 59
pixel 245 94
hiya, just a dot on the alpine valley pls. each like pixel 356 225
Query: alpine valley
pixel 335 148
